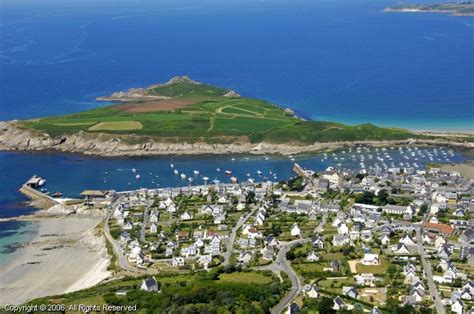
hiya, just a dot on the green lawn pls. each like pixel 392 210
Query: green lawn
pixel 375 269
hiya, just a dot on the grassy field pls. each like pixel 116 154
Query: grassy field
pixel 244 277
pixel 203 113
pixel 116 126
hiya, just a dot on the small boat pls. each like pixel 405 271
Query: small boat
pixel 259 172
pixel 190 180
pixel 233 159
pixel 41 182
pixel 44 190
pixel 218 169
pixel 228 172
pixel 176 172
pixel 57 194
pixel 196 172
pixel 216 181
pixel 205 178
pixel 234 179
pixel 183 176
pixel 251 180
pixel 171 165
pixel 137 177
pixel 134 170
pixel 266 158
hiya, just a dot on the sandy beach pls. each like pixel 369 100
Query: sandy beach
pixel 64 256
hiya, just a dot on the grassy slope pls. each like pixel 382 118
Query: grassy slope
pixel 215 118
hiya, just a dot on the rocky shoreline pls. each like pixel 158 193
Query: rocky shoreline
pixel 15 138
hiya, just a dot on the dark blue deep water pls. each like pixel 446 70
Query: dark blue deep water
pixel 341 60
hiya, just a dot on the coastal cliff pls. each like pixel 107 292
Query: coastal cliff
pixel 13 137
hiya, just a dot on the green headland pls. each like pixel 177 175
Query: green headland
pixel 183 110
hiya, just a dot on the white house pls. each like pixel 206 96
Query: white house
pixel 457 306
pixel 150 284
pixel 407 240
pixel 312 257
pixel 371 259
pixel 177 261
pixel 295 230
pixel 186 216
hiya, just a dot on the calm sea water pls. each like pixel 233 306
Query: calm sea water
pixel 333 60
pixel 72 174
pixel 342 60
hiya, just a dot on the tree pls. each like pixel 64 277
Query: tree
pixel 290 255
pixel 325 306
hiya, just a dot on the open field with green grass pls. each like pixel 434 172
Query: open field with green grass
pixel 198 112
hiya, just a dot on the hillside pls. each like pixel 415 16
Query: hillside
pixel 183 110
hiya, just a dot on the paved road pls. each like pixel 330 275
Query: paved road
pixel 282 264
pixel 429 275
pixel 122 259
pixel 145 217
pixel 231 239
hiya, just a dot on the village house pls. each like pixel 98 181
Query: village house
pixel 150 284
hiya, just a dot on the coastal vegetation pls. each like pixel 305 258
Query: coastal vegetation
pixel 218 290
pixel 183 110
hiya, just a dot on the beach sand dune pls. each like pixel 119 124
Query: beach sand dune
pixel 64 256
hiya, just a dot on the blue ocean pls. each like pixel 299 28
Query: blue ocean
pixel 344 61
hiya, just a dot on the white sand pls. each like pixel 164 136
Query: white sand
pixel 63 257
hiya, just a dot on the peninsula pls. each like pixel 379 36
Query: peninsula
pixel 456 9
pixel 183 116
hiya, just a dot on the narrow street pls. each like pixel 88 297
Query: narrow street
pixel 429 275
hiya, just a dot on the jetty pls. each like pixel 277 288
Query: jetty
pixel 42 200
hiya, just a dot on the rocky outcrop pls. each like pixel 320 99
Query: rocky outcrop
pixel 13 137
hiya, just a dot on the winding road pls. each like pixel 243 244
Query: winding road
pixel 282 264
